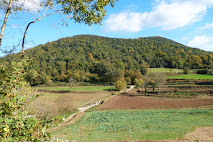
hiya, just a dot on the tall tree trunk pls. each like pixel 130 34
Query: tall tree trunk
pixel 5 20
pixel 25 32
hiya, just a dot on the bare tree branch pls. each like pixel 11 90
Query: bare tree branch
pixel 11 51
pixel 38 19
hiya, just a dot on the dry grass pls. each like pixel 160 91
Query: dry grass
pixel 51 104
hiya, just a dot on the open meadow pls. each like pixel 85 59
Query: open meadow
pixel 136 125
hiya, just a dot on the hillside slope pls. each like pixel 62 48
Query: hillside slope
pixel 95 58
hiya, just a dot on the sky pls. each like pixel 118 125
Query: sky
pixel 189 22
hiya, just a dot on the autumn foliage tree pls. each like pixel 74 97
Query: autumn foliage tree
pixel 120 84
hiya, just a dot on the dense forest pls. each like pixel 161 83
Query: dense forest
pixel 95 59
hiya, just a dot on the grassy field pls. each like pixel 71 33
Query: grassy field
pixel 136 125
pixel 191 76
pixel 51 104
pixel 164 70
pixel 79 88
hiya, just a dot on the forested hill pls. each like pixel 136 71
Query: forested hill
pixel 95 58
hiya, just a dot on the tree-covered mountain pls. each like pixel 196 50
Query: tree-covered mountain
pixel 100 59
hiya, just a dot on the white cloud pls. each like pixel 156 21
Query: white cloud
pixel 27 46
pixel 202 42
pixel 166 15
pixel 28 4
pixel 207 26
pixel 126 22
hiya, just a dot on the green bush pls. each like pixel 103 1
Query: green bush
pixel 202 71
pixel 186 70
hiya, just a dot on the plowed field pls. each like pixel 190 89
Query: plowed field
pixel 143 102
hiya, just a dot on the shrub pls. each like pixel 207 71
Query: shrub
pixel 205 71
pixel 140 90
pixel 186 70
pixel 120 84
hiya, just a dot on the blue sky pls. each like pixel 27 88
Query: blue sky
pixel 189 22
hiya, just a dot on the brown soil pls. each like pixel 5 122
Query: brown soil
pixel 201 134
pixel 143 102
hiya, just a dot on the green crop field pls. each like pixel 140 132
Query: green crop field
pixel 191 76
pixel 135 125
pixel 79 88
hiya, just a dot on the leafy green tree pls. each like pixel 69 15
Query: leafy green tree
pixel 31 77
pixel 139 83
pixel 106 70
pixel 137 75
pixel 15 94
pixel 128 80
pixel 153 84
pixel 143 68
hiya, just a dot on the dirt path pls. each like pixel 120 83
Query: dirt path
pixel 131 87
pixel 83 109
pixel 201 134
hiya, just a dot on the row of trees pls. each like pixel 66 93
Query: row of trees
pixel 142 82
pixel 94 72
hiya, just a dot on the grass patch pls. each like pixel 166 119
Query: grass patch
pixel 191 76
pixel 135 125
pixel 164 70
pixel 80 88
